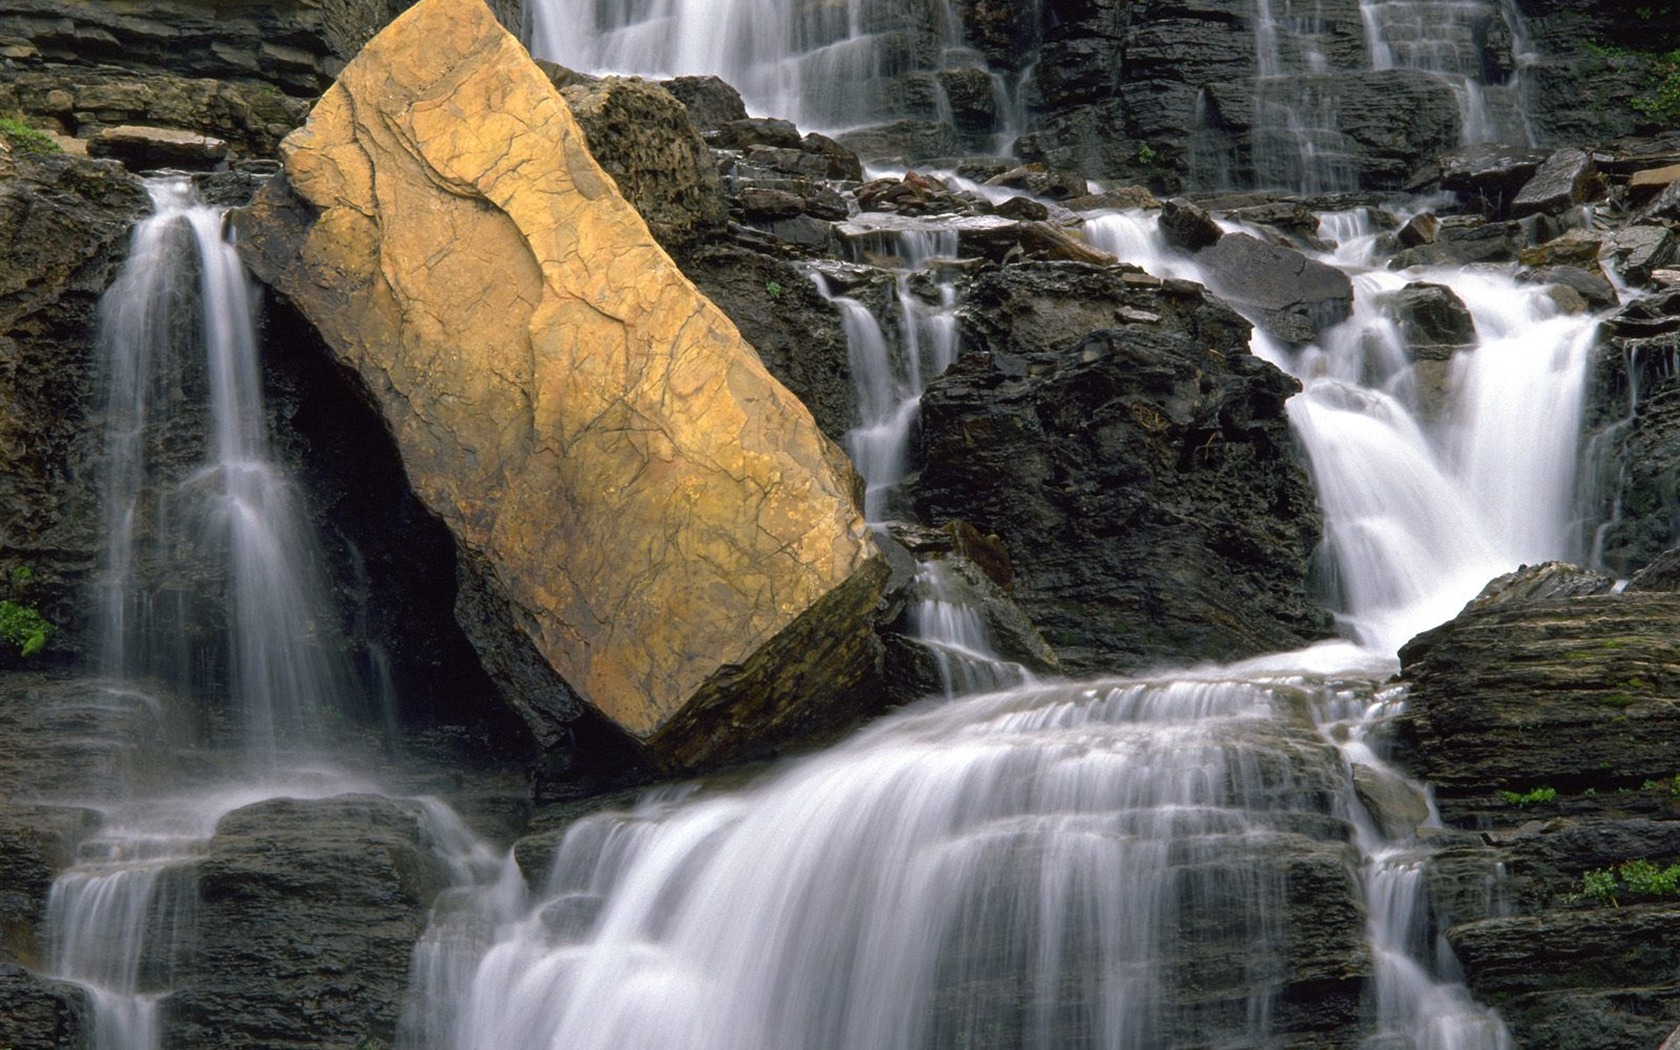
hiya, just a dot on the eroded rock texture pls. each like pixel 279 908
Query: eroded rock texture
pixel 64 226
pixel 656 522
pixel 1543 717
pixel 1135 458
pixel 308 913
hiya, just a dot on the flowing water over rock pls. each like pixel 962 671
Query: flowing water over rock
pixel 901 68
pixel 209 552
pixel 1220 857
pixel 1326 77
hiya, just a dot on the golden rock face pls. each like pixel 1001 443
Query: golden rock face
pixel 617 465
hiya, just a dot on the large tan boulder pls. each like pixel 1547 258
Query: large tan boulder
pixel 635 500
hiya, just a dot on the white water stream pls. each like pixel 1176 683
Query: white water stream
pixel 206 536
pixel 823 66
pixel 1065 865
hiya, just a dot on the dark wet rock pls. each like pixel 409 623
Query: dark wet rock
pixel 1433 320
pixel 1607 982
pixel 309 911
pixel 911 194
pixel 1666 206
pixel 902 141
pixel 251 118
pixel 711 103
pixel 1147 489
pixel 1023 209
pixel 1638 250
pixel 1663 574
pixel 1488 176
pixel 1289 295
pixel 1567 178
pixel 1007 33
pixel 1042 182
pixel 1482 242
pixel 1296 223
pixel 64 226
pixel 1083 139
pixel 796 332
pixel 1545 680
pixel 754 131
pixel 1187 227
pixel 1633 411
pixel 837 161
pixel 873 236
pixel 1574 248
pixel 1390 120
pixel 640 133
pixel 37 842
pixel 1012 634
pixel 1647 183
pixel 1548 581
pixel 42 1014
pixel 1466 241
pixel 1588 282
pixel 1396 806
pixel 973 102
pixel 143 148
pixel 1418 230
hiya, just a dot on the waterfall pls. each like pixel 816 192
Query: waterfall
pixel 891 371
pixel 1452 39
pixel 1105 864
pixel 829 65
pixel 1478 48
pixel 207 549
pixel 1012 869
pixel 205 531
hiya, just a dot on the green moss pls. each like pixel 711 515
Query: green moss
pixel 27 139
pixel 23 628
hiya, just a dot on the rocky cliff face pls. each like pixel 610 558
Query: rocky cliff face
pixel 243 73
pixel 634 498
pixel 1116 432
pixel 1541 715
pixel 64 226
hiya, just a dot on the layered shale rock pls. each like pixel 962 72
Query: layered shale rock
pixel 1560 686
pixel 647 521
pixel 1543 716
pixel 309 910
pixel 64 226
pixel 1118 435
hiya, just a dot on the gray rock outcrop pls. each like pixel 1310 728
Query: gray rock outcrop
pixel 1151 499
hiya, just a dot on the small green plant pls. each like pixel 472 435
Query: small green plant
pixel 1538 796
pixel 773 289
pixel 23 628
pixel 27 139
pixel 1661 102
pixel 1146 154
pixel 1599 886
pixel 1635 878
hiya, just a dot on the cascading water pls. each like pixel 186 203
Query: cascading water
pixel 830 65
pixel 179 319
pixel 1070 865
pixel 1451 39
pixel 197 509
pixel 890 372
pixel 1476 47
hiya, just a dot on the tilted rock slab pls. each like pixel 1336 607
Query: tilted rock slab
pixel 630 490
